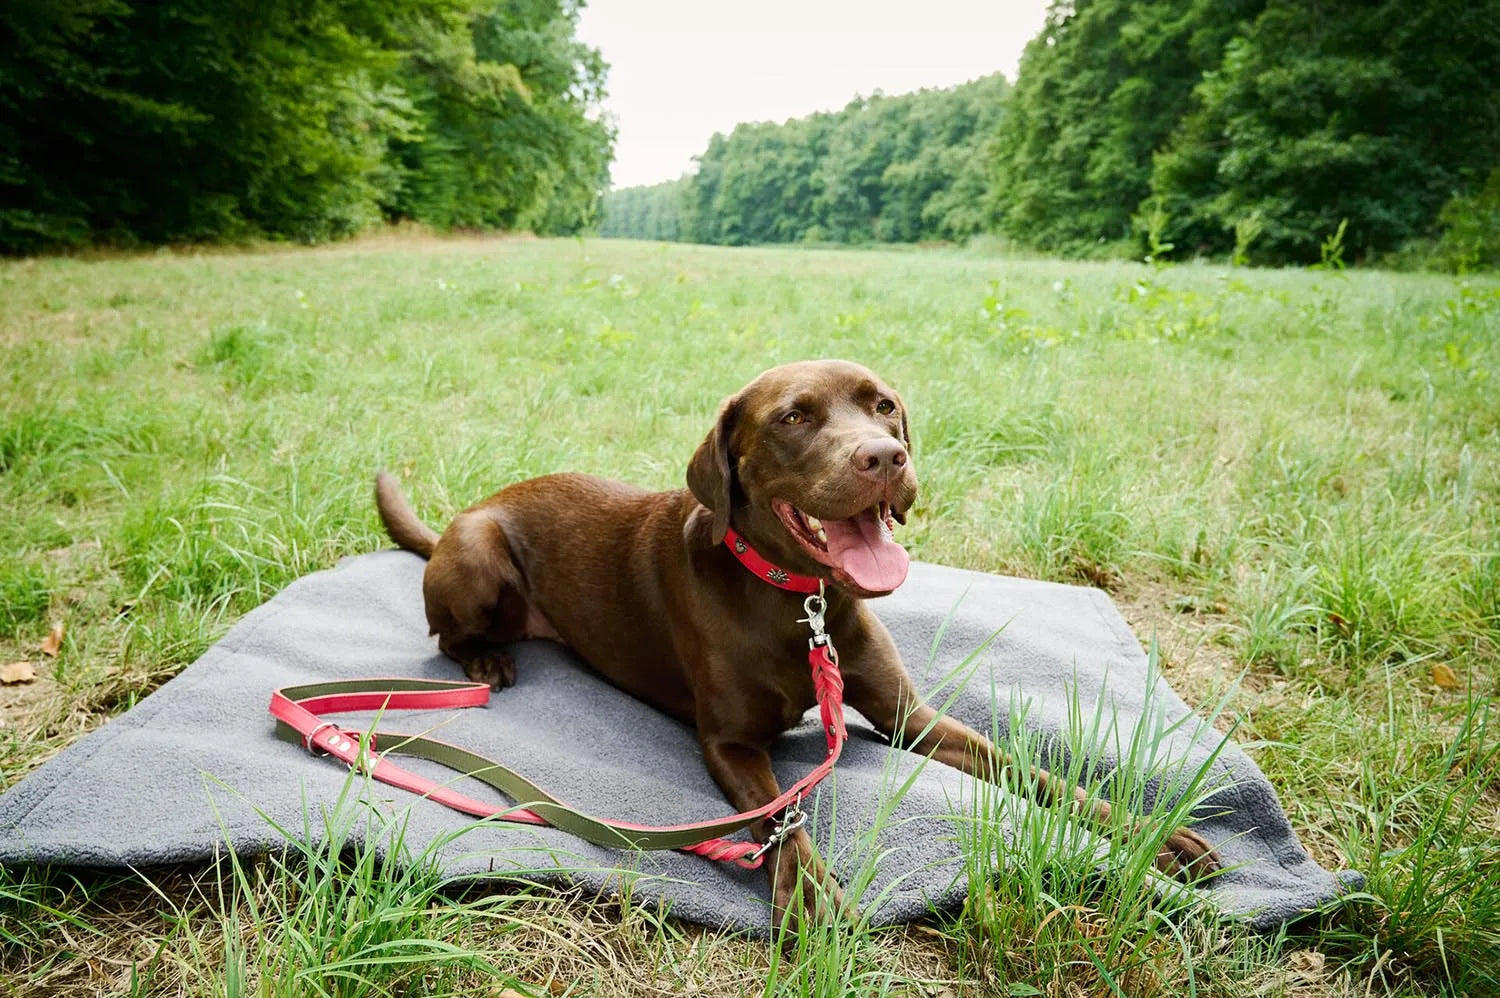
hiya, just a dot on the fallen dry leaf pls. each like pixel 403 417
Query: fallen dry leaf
pixel 1444 676
pixel 52 643
pixel 1308 963
pixel 17 672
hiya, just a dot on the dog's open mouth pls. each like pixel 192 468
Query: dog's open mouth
pixel 859 549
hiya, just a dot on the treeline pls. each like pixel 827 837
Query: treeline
pixel 1207 123
pixel 651 212
pixel 148 121
pixel 1273 131
pixel 894 169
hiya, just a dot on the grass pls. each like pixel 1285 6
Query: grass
pixel 1287 477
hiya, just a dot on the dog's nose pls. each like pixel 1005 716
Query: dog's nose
pixel 880 459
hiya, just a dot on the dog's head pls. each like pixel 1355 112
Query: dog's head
pixel 811 463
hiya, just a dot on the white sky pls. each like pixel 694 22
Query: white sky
pixel 680 70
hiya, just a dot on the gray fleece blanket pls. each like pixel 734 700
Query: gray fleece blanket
pixel 195 765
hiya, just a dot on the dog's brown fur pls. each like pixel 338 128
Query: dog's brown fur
pixel 640 585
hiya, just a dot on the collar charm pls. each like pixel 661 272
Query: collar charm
pixel 767 570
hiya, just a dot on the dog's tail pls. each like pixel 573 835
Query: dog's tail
pixel 399 519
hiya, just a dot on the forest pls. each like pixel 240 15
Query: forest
pixel 891 169
pixel 1265 131
pixel 141 122
pixel 1257 131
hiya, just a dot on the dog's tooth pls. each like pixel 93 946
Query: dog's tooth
pixel 822 535
pixel 814 524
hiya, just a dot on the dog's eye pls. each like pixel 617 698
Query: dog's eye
pixel 885 407
pixel 793 418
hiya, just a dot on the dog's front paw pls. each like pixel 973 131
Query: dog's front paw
pixel 802 890
pixel 496 669
pixel 1187 855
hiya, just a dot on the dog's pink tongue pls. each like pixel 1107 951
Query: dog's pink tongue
pixel 863 548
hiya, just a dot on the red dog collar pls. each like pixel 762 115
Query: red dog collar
pixel 772 573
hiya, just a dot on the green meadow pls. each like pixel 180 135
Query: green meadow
pixel 1287 480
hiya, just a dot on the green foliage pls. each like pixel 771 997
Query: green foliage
pixel 1100 89
pixel 1331 250
pixel 653 212
pixel 887 169
pixel 1252 121
pixel 1246 231
pixel 25 594
pixel 128 121
pixel 1072 525
pixel 1374 113
pixel 506 140
pixel 1471 229
pixel 350 908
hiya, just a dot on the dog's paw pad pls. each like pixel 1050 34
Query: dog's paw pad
pixel 497 671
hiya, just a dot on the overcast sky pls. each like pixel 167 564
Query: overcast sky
pixel 680 70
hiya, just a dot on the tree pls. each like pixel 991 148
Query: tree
pixel 139 120
pixel 895 169
pixel 653 212
pixel 506 139
pixel 1378 113
pixel 1101 88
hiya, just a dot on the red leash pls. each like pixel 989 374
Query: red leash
pixel 300 712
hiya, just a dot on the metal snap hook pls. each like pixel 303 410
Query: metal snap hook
pixel 793 819
pixel 815 607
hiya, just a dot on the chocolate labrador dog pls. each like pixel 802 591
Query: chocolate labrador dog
pixel 810 464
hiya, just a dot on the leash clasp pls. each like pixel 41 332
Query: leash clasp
pixel 791 820
pixel 815 607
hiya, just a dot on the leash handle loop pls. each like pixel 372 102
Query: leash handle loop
pixel 299 712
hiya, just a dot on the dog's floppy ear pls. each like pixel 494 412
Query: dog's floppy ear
pixel 905 439
pixel 710 476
